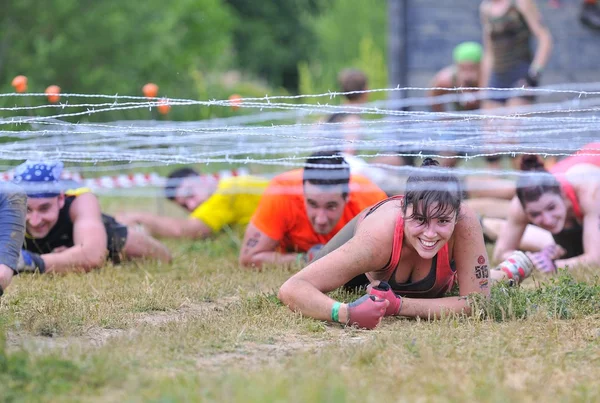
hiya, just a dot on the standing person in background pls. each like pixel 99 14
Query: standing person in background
pixel 13 207
pixel 590 14
pixel 463 73
pixel 508 61
pixel 351 80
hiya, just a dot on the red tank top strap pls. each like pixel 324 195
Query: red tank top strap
pixel 396 246
pixel 398 235
pixel 569 192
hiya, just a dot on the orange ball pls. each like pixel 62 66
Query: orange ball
pixel 20 83
pixel 235 100
pixel 150 90
pixel 163 106
pixel 53 93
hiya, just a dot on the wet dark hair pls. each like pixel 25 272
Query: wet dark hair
pixel 174 180
pixel 532 187
pixel 333 170
pixel 432 185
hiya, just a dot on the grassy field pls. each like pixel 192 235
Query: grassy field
pixel 203 329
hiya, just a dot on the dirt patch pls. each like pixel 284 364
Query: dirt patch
pixel 192 310
pixel 95 337
pixel 252 354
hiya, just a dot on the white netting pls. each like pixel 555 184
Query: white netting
pixel 283 130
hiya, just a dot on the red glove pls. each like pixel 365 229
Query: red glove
pixel 554 251
pixel 366 312
pixel 384 291
pixel 542 261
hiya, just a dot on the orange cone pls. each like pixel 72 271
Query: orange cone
pixel 20 83
pixel 150 90
pixel 163 106
pixel 53 93
pixel 235 100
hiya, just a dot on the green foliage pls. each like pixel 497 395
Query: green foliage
pixel 112 46
pixel 349 33
pixel 273 37
pixel 562 297
pixel 115 47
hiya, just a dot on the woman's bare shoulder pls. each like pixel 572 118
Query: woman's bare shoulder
pixel 380 224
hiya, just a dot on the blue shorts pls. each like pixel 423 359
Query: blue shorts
pixel 513 78
pixel 13 208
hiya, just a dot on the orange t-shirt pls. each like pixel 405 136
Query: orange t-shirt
pixel 281 213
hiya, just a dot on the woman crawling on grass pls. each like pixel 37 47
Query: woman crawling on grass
pixel 564 201
pixel 411 249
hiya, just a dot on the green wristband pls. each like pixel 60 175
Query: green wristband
pixel 300 258
pixel 335 312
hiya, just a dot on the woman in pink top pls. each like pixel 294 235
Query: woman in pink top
pixel 411 249
pixel 564 201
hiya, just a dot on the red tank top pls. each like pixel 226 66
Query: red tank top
pixel 445 276
pixel 589 154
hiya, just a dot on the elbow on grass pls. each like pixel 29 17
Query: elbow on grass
pixel 285 293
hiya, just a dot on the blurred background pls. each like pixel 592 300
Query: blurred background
pixel 205 50
pixel 210 49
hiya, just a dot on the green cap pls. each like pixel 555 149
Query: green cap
pixel 468 52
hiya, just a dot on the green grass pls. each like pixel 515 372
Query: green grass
pixel 203 329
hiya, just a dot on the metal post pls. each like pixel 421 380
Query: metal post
pixel 397 60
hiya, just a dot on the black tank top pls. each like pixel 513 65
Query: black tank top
pixel 422 285
pixel 60 235
pixel 510 37
pixel 571 239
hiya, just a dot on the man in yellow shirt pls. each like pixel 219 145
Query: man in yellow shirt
pixel 213 204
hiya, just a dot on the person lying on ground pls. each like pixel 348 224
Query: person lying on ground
pixel 213 204
pixel 565 202
pixel 303 209
pixel 66 231
pixel 410 249
pixel 13 202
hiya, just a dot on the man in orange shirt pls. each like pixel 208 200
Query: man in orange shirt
pixel 304 208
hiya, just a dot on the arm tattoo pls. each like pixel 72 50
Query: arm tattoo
pixel 482 271
pixel 252 242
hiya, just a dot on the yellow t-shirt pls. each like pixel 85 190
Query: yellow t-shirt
pixel 233 203
pixel 77 191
